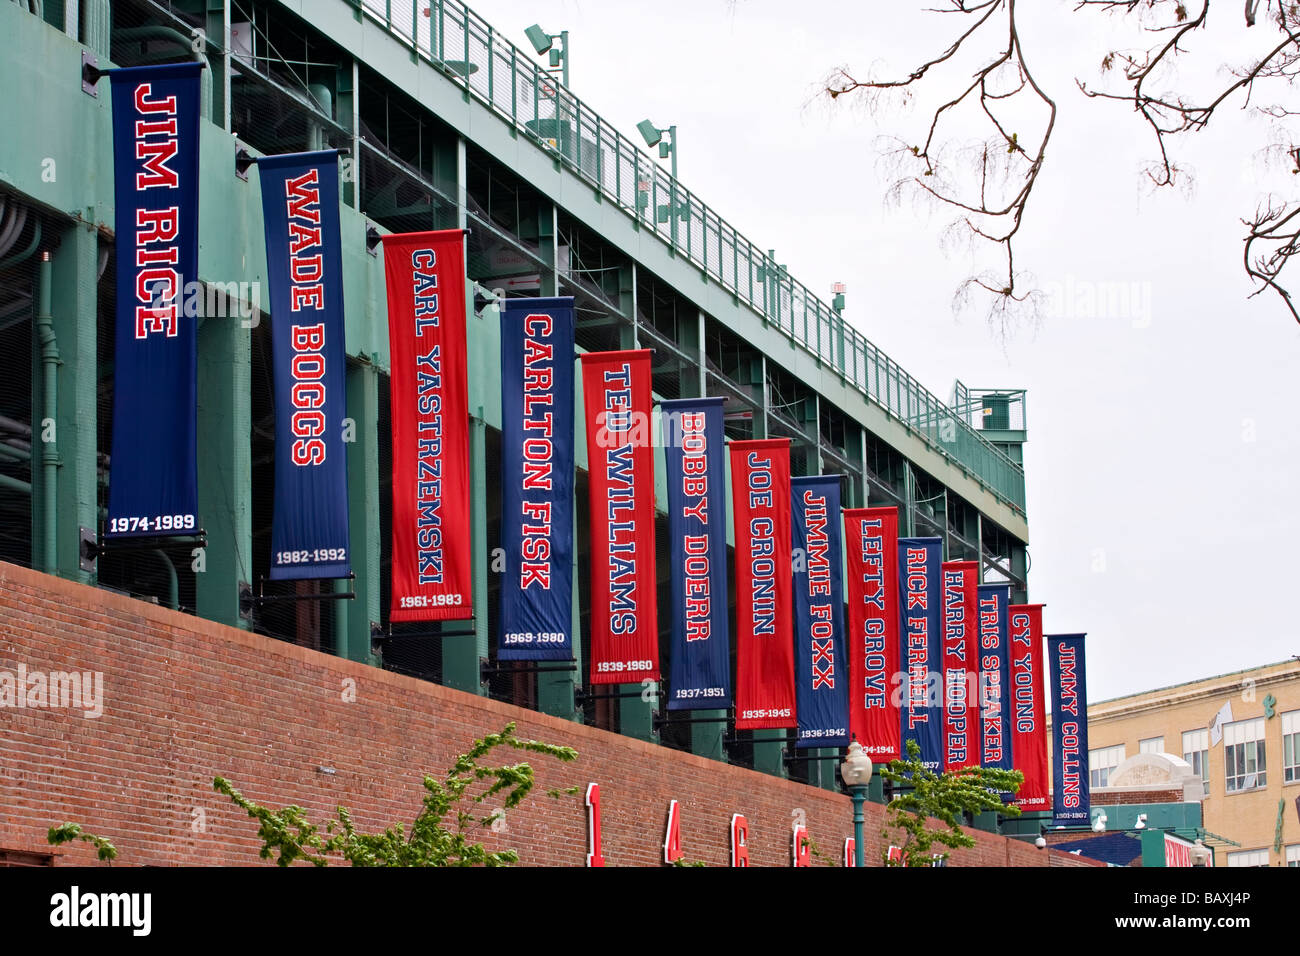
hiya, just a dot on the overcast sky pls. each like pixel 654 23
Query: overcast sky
pixel 1163 434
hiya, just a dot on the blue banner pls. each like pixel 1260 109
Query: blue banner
pixel 300 209
pixel 994 676
pixel 920 592
pixel 700 674
pixel 537 480
pixel 153 481
pixel 1071 802
pixel 820 658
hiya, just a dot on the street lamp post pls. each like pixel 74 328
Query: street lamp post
pixel 856 772
pixel 542 43
pixel 654 136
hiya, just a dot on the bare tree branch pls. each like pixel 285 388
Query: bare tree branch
pixel 991 214
pixel 1003 87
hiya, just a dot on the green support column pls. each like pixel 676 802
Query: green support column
pixel 1019 569
pixel 706 739
pixel 225 466
pixel 907 520
pixel 72 428
pixel 363 511
pixel 348 112
pixel 635 715
pixel 217 28
pixel 942 518
pixel 769 745
pixel 548 228
pixel 555 688
pixel 461 653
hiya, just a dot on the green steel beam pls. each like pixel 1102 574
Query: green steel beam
pixel 706 739
pixel 373 44
pixel 363 512
pixel 769 745
pixel 225 466
pixel 461 653
pixel 75 269
pixel 635 714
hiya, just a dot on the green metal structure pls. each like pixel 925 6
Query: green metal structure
pixel 446 123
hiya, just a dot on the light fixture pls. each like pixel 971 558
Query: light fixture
pixel 539 38
pixel 544 42
pixel 856 773
pixel 1099 825
pixel 1141 822
pixel 649 132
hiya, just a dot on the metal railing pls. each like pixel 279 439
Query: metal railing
pixel 472 54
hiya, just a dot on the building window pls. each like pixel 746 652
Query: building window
pixel 1248 858
pixel 1196 751
pixel 1243 755
pixel 1291 747
pixel 1152 745
pixel 1102 762
pixel 1293 855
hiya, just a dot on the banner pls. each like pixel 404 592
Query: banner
pixel 700 663
pixel 760 500
pixel 304 275
pixel 871 539
pixel 425 273
pixel 621 492
pixel 1029 723
pixel 961 747
pixel 994 677
pixel 153 477
pixel 536 622
pixel 921 646
pixel 821 683
pixel 1178 852
pixel 1071 804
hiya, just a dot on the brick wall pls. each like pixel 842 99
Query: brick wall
pixel 1116 798
pixel 186 700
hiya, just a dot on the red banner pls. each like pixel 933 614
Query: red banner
pixel 621 492
pixel 871 542
pixel 425 274
pixel 760 490
pixel 961 739
pixel 1028 723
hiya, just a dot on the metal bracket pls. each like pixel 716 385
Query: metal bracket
pixel 262 598
pixel 243 160
pixel 245 601
pixel 808 758
pixel 486 668
pixel 90 73
pixel 93 546
pixel 581 694
pixel 88 548
pixel 663 721
pixel 372 239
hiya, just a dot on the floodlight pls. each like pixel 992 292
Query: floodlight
pixel 539 38
pixel 650 133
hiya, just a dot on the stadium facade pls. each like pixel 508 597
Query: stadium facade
pixel 445 123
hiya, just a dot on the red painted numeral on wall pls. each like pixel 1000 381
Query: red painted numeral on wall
pixel 594 855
